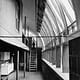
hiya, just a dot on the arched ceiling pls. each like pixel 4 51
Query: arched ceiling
pixel 58 15
pixel 51 17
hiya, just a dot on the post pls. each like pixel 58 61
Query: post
pixel 55 49
pixel 0 71
pixel 61 47
pixel 36 54
pixel 58 53
pixel 17 71
pixel 27 61
pixel 24 63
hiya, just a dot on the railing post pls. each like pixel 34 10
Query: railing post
pixel 17 71
pixel 61 47
pixel 0 71
pixel 24 63
pixel 55 48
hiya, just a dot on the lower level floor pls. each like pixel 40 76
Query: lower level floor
pixel 46 73
pixel 28 76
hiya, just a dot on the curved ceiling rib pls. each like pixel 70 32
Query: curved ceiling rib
pixel 55 6
pixel 51 5
pixel 50 27
pixel 59 21
pixel 69 14
pixel 53 18
pixel 58 16
pixel 52 21
pixel 53 12
pixel 45 33
pixel 45 26
pixel 70 3
pixel 48 37
pixel 50 24
pixel 45 40
pixel 62 13
pixel 42 41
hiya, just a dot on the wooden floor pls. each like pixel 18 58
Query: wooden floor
pixel 28 76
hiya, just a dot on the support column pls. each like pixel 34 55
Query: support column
pixel 55 50
pixel 27 61
pixel 58 54
pixel 0 71
pixel 24 63
pixel 65 65
pixel 52 53
pixel 61 47
pixel 58 57
pixel 17 71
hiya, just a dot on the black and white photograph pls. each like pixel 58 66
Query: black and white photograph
pixel 39 39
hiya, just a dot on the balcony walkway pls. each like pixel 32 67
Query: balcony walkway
pixel 28 76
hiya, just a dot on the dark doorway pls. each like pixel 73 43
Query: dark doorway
pixel 74 59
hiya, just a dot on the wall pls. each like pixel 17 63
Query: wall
pixel 8 15
pixel 76 6
pixel 74 59
pixel 48 73
pixel 29 12
pixel 8 11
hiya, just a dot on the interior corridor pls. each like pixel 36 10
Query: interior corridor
pixel 39 39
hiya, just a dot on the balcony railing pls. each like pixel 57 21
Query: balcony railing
pixel 70 29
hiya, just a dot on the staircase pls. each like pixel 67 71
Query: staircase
pixel 33 61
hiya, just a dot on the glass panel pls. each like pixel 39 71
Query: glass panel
pixel 68 8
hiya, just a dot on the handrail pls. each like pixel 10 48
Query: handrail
pixel 72 24
pixel 67 28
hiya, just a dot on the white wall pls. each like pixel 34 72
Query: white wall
pixel 76 6
pixel 8 18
